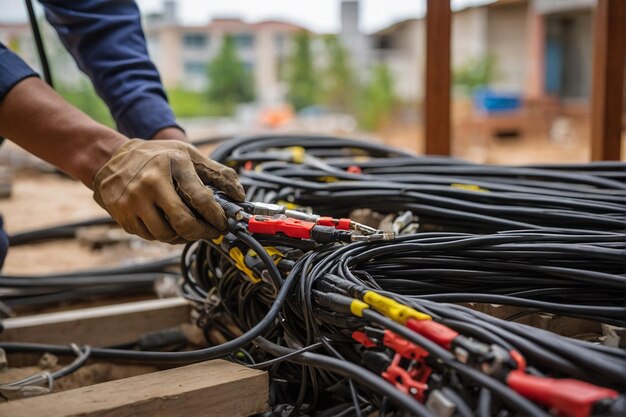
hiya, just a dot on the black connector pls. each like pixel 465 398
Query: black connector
pixel 328 234
pixel 334 302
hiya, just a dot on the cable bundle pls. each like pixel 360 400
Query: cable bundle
pixel 335 176
pixel 349 320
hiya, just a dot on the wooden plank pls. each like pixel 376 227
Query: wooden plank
pixel 208 389
pixel 437 97
pixel 608 80
pixel 98 326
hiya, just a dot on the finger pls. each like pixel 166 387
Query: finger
pixel 157 224
pixel 218 175
pixel 132 224
pixel 137 227
pixel 193 192
pixel 180 217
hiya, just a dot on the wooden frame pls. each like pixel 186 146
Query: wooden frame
pixel 609 39
pixel 607 80
pixel 437 97
pixel 212 389
pixel 98 326
pixel 208 389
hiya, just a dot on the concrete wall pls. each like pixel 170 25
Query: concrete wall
pixel 405 57
pixel 507 42
pixel 469 35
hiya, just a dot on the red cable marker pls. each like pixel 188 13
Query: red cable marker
pixel 437 332
pixel 567 397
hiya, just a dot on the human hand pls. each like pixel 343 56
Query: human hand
pixel 156 189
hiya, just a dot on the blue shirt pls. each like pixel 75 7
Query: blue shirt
pixel 106 40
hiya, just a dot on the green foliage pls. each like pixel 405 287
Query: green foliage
pixel 301 79
pixel 339 81
pixel 474 73
pixel 377 99
pixel 85 98
pixel 230 82
pixel 192 104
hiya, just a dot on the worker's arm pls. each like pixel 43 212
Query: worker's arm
pixel 154 189
pixel 106 40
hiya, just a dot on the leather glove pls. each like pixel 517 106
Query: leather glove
pixel 156 189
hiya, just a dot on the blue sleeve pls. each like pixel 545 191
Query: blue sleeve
pixel 12 71
pixel 106 40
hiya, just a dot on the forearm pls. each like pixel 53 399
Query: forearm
pixel 107 41
pixel 39 120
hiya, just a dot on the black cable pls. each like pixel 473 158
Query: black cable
pixel 41 51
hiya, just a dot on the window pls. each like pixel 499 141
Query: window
pixel 248 66
pixel 244 40
pixel 195 40
pixel 195 68
pixel 280 42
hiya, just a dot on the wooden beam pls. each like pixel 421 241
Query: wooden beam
pixel 97 326
pixel 437 97
pixel 609 43
pixel 209 389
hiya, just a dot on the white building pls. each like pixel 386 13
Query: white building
pixel 182 53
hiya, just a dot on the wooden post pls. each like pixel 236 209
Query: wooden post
pixel 437 97
pixel 608 80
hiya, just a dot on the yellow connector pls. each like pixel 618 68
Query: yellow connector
pixel 237 256
pixel 357 307
pixel 393 309
pixel 272 251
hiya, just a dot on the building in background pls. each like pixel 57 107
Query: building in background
pixel 19 38
pixel 350 34
pixel 540 48
pixel 182 52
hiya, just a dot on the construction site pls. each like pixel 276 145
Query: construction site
pixel 352 208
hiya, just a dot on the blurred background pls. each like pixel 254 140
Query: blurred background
pixel 521 70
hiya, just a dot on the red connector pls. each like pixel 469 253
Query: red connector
pixel 564 397
pixel 436 332
pixel 412 382
pixel 342 224
pixel 363 339
pixel 403 347
pixel 287 226
pixel 294 228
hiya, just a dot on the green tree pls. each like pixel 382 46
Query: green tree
pixel 302 88
pixel 230 82
pixel 339 83
pixel 85 98
pixel 474 73
pixel 377 99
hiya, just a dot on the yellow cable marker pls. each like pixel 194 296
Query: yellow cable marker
pixel 393 309
pixel 237 256
pixel 289 205
pixel 469 187
pixel 357 307
pixel 297 154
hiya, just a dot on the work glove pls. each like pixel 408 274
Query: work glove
pixel 157 190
